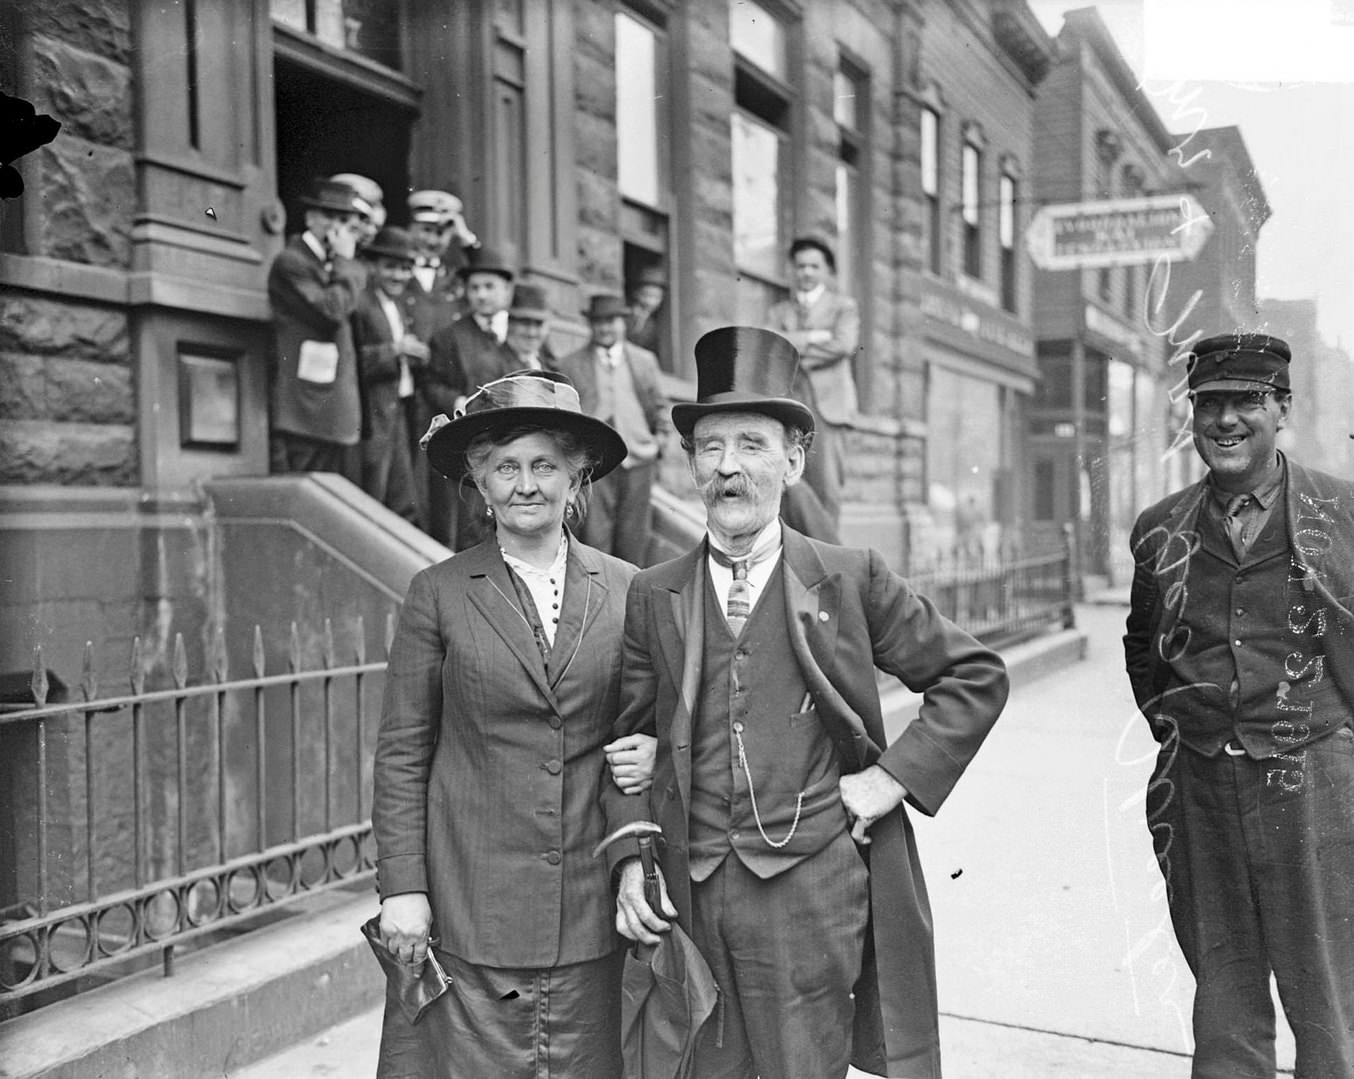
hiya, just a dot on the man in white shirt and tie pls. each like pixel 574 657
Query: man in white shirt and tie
pixel 620 383
pixel 388 355
pixel 824 326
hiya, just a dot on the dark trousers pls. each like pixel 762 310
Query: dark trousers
pixel 1258 858
pixel 554 1023
pixel 388 467
pixel 297 453
pixel 619 513
pixel 785 953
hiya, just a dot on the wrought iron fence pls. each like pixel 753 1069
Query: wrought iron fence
pixel 145 820
pixel 1003 598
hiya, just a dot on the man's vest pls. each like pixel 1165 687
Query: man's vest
pixel 753 693
pixel 1251 668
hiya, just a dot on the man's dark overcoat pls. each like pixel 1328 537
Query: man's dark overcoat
pixel 847 614
pixel 1319 511
pixel 488 762
pixel 312 303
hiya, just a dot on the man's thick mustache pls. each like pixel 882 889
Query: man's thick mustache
pixel 719 486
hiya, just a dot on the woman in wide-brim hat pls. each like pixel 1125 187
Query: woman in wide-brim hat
pixel 503 681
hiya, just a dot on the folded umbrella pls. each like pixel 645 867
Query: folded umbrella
pixel 667 990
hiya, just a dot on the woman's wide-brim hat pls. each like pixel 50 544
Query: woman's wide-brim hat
pixel 522 398
pixel 744 369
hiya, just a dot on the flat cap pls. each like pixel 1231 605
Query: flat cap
pixel 1239 361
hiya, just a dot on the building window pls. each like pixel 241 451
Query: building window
pixel 1108 147
pixel 368 28
pixel 641 104
pixel 760 152
pixel 930 184
pixel 1006 232
pixel 970 200
pixel 1132 189
pixel 850 108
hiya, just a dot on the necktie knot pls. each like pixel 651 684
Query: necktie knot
pixel 739 568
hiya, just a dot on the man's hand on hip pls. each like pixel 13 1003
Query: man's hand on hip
pixel 867 796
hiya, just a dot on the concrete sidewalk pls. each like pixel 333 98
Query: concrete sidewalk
pixel 972 1050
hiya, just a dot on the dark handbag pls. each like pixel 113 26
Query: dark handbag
pixel 415 985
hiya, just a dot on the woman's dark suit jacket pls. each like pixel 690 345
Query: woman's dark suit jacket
pixel 487 767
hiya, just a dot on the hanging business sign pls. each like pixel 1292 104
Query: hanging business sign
pixel 1117 232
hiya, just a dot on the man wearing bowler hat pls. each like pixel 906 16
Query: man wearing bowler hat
pixel 468 354
pixel 388 356
pixel 313 285
pixel 789 856
pixel 529 328
pixel 1240 650
pixel 619 383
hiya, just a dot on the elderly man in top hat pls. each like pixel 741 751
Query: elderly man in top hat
pixel 1240 650
pixel 620 384
pixel 468 354
pixel 313 286
pixel 388 357
pixel 789 856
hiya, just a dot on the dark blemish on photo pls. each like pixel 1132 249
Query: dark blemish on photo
pixel 22 130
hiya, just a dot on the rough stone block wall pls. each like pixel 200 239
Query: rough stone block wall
pixel 67 397
pixel 67 393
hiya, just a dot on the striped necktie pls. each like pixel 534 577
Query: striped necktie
pixel 739 604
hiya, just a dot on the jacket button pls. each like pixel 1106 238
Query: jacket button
pixel 555 723
pixel 553 767
pixel 553 857
pixel 823 616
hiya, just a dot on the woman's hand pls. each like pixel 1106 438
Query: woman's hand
pixel 405 922
pixel 631 759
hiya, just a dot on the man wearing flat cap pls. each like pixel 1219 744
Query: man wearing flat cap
pixel 442 243
pixel 1240 650
pixel 788 856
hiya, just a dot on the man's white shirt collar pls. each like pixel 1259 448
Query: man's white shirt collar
pixel 808 299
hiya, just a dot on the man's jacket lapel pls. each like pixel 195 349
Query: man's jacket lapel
pixel 813 608
pixel 681 637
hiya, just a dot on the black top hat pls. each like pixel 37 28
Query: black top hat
pixel 486 260
pixel 606 305
pixel 331 196
pixel 391 242
pixel 744 369
pixel 523 397
pixel 528 301
pixel 1239 361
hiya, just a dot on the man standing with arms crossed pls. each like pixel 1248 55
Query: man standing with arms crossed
pixel 1240 650
pixel 789 858
pixel 825 327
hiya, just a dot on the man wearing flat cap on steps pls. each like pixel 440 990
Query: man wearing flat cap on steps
pixel 789 856
pixel 1240 650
